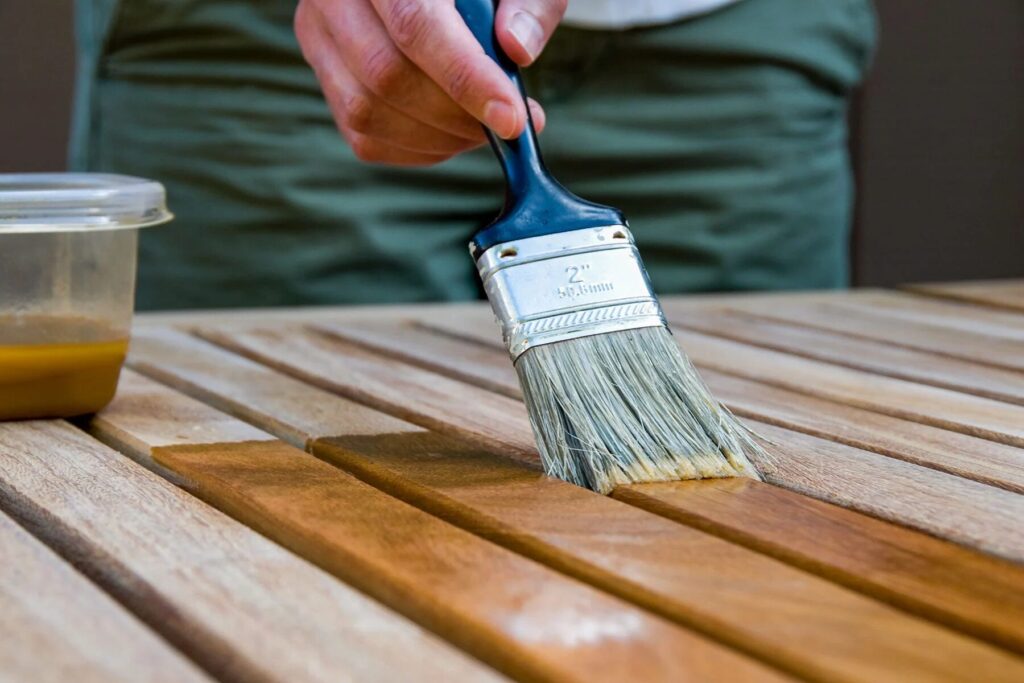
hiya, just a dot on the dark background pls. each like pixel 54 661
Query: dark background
pixel 937 131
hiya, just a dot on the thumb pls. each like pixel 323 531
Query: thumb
pixel 524 27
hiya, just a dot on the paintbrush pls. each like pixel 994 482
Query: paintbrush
pixel 611 398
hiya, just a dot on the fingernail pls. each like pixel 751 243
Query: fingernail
pixel 501 117
pixel 527 32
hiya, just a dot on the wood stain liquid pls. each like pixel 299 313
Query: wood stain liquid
pixel 57 366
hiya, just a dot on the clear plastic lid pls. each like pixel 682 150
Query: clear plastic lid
pixel 54 202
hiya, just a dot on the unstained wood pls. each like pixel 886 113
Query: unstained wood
pixel 864 354
pixel 997 293
pixel 867 323
pixel 57 626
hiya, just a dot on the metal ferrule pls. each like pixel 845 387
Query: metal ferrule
pixel 572 284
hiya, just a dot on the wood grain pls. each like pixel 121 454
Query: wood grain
pixel 614 546
pixel 977 593
pixel 952 410
pixel 296 315
pixel 512 612
pixel 476 325
pixel 966 456
pixel 476 364
pixel 947 506
pixel 241 606
pixel 57 626
pixel 863 354
pixel 997 293
pixel 907 306
pixel 903 306
pixel 804 624
pixel 232 384
pixel 405 391
pixel 523 618
pixel 866 323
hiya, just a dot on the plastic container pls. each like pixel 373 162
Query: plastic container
pixel 68 248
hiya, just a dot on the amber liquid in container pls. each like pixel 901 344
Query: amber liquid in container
pixel 68 247
pixel 57 366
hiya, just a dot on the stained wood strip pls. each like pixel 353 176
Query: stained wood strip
pixel 608 544
pixel 856 321
pixel 57 626
pixel 862 354
pixel 997 293
pixel 239 605
pixel 515 613
pixel 405 391
pixel 966 456
pixel 947 506
pixel 976 593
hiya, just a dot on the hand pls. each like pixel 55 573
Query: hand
pixel 406 81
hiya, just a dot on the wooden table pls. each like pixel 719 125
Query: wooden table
pixel 353 495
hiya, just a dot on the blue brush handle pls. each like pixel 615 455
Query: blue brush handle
pixel 535 203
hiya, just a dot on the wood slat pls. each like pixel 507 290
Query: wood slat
pixel 998 293
pixel 861 322
pixel 57 626
pixel 696 302
pixel 907 306
pixel 950 507
pixel 247 317
pixel 408 392
pixel 529 620
pixel 862 354
pixel 241 606
pixel 233 384
pixel 610 545
pixel 475 325
pixel 403 339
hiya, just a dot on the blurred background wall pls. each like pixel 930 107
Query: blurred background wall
pixel 937 131
pixel 37 69
pixel 939 144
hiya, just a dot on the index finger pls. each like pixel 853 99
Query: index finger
pixel 433 35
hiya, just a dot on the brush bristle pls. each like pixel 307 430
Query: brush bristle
pixel 627 407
